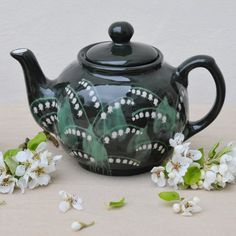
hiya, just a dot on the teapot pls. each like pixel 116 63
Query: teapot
pixel 117 105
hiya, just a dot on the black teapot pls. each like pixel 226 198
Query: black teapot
pixel 116 107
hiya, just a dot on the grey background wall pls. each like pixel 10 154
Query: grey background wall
pixel 56 30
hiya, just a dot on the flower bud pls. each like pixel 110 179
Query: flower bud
pixel 196 200
pixel 219 178
pixel 200 184
pixel 194 186
pixel 176 207
pixel 76 226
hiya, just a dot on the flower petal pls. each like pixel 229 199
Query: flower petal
pixel 64 206
pixel 210 177
pixel 20 170
pixel 154 177
pixel 154 169
pixel 196 209
pixel 21 156
pixel 169 166
pixel 22 184
pixel 179 137
pixel 44 179
pixel 5 189
pixel 187 213
pixel 63 194
pixel 43 158
pixel 77 204
pixel 161 182
pixel 195 154
pixel 223 169
pixel 57 158
pixel 41 147
pixel 33 184
pixel 1 160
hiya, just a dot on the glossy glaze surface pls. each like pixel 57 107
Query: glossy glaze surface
pixel 115 118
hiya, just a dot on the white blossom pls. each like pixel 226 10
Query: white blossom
pixel 210 177
pixel 7 183
pixel 190 206
pixel 177 140
pixel 195 155
pixel 178 165
pixel 35 167
pixel 158 176
pixel 227 168
pixel 69 201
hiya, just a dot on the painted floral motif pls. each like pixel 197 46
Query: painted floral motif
pixel 90 138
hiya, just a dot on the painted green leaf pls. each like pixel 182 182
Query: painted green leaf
pixel 117 204
pixel 34 142
pixel 137 140
pixel 192 175
pixel 95 148
pixel 65 119
pixel 10 161
pixel 212 151
pixel 170 113
pixel 169 196
pixel 114 119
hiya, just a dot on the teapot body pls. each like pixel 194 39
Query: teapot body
pixel 115 124
pixel 116 107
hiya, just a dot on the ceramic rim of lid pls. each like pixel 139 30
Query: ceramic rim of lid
pixel 120 54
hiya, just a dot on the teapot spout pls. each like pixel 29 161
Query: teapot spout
pixel 34 77
pixel 42 100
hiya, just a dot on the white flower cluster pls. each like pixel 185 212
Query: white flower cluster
pixel 187 206
pixel 190 168
pixel 217 176
pixel 33 169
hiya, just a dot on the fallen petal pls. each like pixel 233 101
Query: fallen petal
pixel 64 206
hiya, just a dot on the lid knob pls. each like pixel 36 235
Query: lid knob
pixel 121 32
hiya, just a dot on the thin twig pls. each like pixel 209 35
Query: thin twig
pixel 51 138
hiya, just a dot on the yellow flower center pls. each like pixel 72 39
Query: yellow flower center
pixel 39 171
pixel 5 182
pixel 176 165
pixel 36 157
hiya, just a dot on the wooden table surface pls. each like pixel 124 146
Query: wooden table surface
pixel 36 212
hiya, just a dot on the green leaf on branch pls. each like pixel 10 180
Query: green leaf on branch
pixel 11 164
pixel 201 161
pixel 224 151
pixel 11 153
pixel 169 196
pixel 192 175
pixel 212 151
pixel 117 204
pixel 9 159
pixel 34 142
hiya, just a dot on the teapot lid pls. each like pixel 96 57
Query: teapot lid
pixel 120 52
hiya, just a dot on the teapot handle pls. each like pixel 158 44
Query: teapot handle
pixel 183 70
